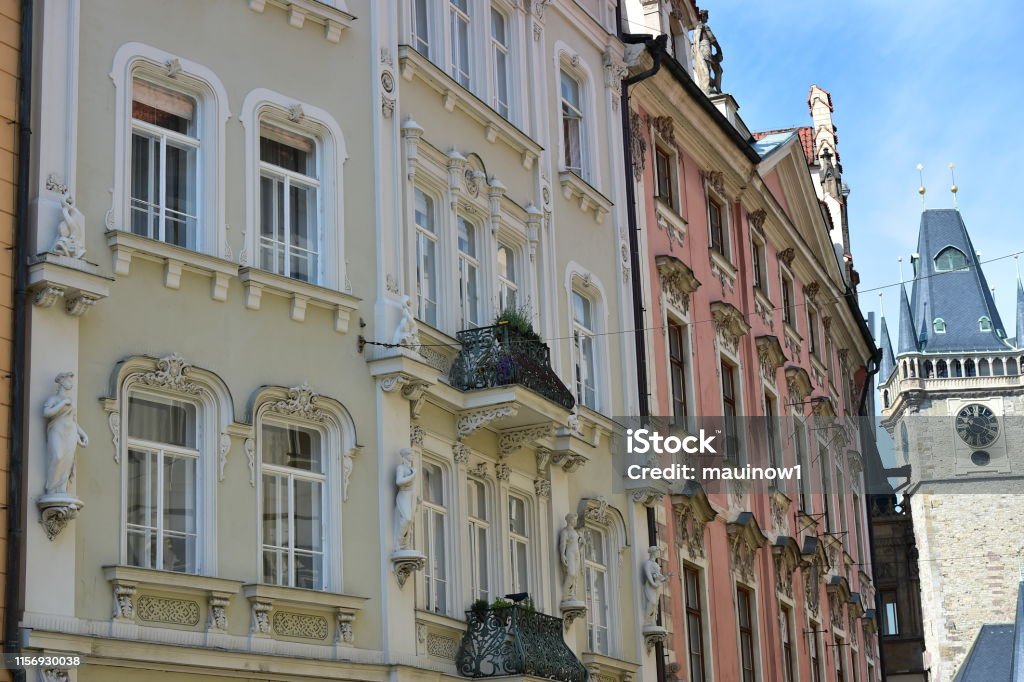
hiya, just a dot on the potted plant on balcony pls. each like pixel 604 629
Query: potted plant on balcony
pixel 519 322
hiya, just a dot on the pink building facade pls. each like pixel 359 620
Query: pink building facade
pixel 748 288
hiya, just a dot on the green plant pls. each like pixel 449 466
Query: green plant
pixel 519 321
pixel 500 603
pixel 479 607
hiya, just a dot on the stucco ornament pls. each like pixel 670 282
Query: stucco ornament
pixel 63 437
pixel 653 580
pixel 707 57
pixel 71 239
pixel 407 334
pixel 570 551
pixel 405 557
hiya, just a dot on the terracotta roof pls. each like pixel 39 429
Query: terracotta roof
pixel 806 139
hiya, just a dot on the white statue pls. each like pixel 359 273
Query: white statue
pixel 407 332
pixel 570 550
pixel 405 500
pixel 63 435
pixel 653 580
pixel 71 242
pixel 707 57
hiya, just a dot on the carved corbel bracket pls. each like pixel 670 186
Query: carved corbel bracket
pixel 515 439
pixel 471 420
pixel 405 562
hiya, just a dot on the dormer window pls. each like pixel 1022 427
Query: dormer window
pixel 939 325
pixel 949 259
pixel 984 324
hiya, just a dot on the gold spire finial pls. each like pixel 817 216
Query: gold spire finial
pixel 921 189
pixel 954 189
pixel 899 259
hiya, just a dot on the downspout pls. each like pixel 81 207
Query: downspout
pixel 657 50
pixel 14 597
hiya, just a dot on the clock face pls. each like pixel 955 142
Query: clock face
pixel 977 425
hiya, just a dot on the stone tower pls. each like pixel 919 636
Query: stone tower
pixel 953 399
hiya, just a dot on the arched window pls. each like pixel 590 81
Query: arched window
pixel 468 268
pixel 941 369
pixel 950 258
pixel 984 324
pixel 885 398
pixel 939 325
pixel 301 485
pixel 970 370
pixel 957 371
pixel 479 517
pixel 170 421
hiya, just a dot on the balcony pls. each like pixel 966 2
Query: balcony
pixel 513 640
pixel 499 356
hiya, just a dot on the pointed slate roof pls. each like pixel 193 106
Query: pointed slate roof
pixel 888 363
pixel 908 335
pixel 960 296
pixel 1019 340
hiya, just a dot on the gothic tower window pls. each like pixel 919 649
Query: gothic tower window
pixel 950 258
pixel 939 325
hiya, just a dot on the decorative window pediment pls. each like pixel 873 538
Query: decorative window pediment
pixel 770 355
pixel 693 512
pixel 798 382
pixel 786 553
pixel 814 564
pixel 745 538
pixel 838 590
pixel 677 281
pixel 730 324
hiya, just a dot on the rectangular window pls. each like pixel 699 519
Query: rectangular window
pixel 890 614
pixel 435 541
pixel 677 369
pixel 730 411
pixel 771 431
pixel 788 311
pixel 839 484
pixel 826 489
pixel 421 27
pixel 426 257
pixel 816 659
pixel 163 455
pixel 744 597
pixel 716 225
pixel 694 624
pixel 757 260
pixel 858 538
pixel 289 205
pixel 519 544
pixel 840 663
pixel 800 442
pixel 459 11
pixel 469 266
pixel 293 494
pixel 572 124
pixel 165 150
pixel 508 279
pixel 479 541
pixel 787 645
pixel 663 162
pixel 583 347
pixel 595 567
pixel 812 330
pixel 499 52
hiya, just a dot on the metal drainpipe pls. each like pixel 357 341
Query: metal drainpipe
pixel 14 597
pixel 657 49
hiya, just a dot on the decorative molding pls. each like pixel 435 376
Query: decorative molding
pixel 542 487
pixel 722 270
pixel 250 456
pixel 786 256
pixel 653 637
pixel 764 309
pixel 588 197
pixel 502 471
pixel 637 145
pixel 218 614
pixel 648 497
pixel 345 634
pixel 811 291
pixel 165 610
pixel 300 625
pixel 595 510
pixel 665 127
pixel 171 373
pixel 677 281
pixel 114 422
pixel 745 538
pixel 405 565
pixel 569 461
pixel 798 382
pixel 770 356
pixel 460 453
pixel 757 218
pixel 714 179
pixel 472 420
pixel 693 512
pixel 671 223
pixel 301 402
pixel 416 436
pixel 223 448
pixel 515 439
pixel 570 612
pixel 730 325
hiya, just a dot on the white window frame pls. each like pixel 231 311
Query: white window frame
pixel 423 234
pixel 789 314
pixel 426 37
pixel 578 279
pixel 520 540
pixel 757 240
pixel 754 630
pixel 212 111
pixel 288 178
pixel 507 285
pixel 476 526
pixel 214 414
pixel 161 450
pixel 580 114
pixel 662 146
pixel 590 570
pixel 461 73
pixel 496 47
pixel 263 105
pixel 426 539
pixel 727 246
pixel 468 269
pixel 584 384
pixel 338 435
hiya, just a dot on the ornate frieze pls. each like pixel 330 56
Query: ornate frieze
pixel 787 256
pixel 472 420
pixel 798 382
pixel 569 461
pixel 811 291
pixel 170 611
pixel 693 512
pixel 512 440
pixel 460 453
pixel 665 127
pixel 171 373
pixel 770 356
pixel 300 625
pixel 757 218
pixel 677 281
pixel 637 145
pixel 648 497
pixel 745 538
pixel 300 401
pixel 786 557
pixel 714 179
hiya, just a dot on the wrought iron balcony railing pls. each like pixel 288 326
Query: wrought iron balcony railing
pixel 497 356
pixel 513 640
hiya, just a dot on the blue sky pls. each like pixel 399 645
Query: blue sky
pixel 913 81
